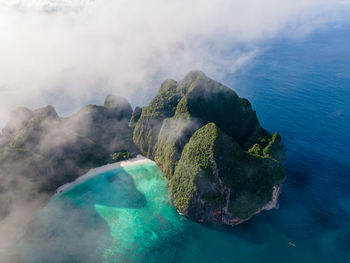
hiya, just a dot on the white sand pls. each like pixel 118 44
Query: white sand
pixel 111 166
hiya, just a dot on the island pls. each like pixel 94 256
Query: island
pixel 221 165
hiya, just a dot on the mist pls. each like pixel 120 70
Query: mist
pixel 69 53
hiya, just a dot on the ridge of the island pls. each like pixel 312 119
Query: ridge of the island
pixel 222 166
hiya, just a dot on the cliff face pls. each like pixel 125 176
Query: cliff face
pixel 221 164
pixel 150 121
pixel 40 151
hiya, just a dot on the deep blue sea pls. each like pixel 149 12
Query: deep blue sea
pixel 299 87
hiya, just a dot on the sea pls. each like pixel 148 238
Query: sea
pixel 299 87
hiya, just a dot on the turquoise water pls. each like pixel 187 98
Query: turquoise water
pixel 126 215
pixel 299 87
pixel 122 215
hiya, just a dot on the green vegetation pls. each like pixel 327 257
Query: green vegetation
pixel 209 155
pixel 149 124
pixel 209 144
pixel 120 156
pixel 221 164
pixel 173 136
pixel 45 151
pixel 135 116
pixel 274 148
pixel 245 204
pixel 195 170
pixel 209 101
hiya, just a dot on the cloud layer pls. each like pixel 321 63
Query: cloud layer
pixel 68 53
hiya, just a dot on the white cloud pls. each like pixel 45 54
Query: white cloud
pixel 45 5
pixel 70 52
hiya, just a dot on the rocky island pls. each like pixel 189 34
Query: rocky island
pixel 221 165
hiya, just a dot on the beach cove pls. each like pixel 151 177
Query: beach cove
pixel 139 159
pixel 121 210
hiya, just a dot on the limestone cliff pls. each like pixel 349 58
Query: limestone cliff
pixel 39 151
pixel 221 164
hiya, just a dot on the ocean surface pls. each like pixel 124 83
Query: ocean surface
pixel 299 87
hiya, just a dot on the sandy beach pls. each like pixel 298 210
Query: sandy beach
pixel 95 171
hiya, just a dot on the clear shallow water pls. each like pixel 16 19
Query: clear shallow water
pixel 300 88
pixel 123 215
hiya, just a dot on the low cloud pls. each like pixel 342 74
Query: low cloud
pixel 68 53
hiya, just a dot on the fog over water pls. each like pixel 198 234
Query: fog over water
pixel 70 53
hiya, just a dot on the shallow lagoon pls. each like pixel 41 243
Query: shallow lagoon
pixel 122 215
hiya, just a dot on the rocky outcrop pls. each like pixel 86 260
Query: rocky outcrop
pixel 49 151
pixel 221 164
pixel 119 106
pixel 135 116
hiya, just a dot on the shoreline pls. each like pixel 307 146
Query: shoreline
pixel 95 171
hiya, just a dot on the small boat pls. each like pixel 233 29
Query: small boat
pixel 292 244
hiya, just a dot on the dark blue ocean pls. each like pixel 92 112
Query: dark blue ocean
pixel 299 87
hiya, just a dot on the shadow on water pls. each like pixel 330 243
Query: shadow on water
pixel 70 230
